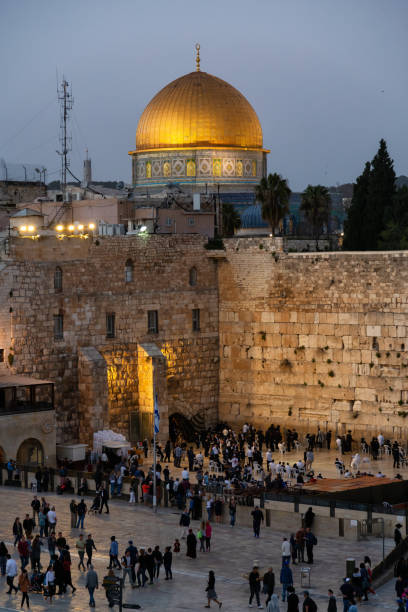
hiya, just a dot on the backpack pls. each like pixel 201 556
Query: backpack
pixel 312 606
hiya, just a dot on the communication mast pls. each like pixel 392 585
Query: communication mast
pixel 66 101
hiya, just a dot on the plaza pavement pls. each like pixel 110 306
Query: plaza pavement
pixel 232 554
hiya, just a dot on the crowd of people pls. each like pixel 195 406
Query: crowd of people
pixel 239 461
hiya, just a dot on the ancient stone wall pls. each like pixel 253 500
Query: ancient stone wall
pixel 314 339
pixel 93 286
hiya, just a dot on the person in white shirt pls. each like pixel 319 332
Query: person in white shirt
pixel 272 467
pixel 338 444
pixel 300 465
pixel 380 439
pixel 268 456
pixel 184 474
pixel 11 573
pixel 285 551
pixel 49 583
pixel 245 428
pixel 234 462
pixel 52 519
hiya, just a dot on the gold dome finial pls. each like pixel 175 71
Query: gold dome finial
pixel 198 57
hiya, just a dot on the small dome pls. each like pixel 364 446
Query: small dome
pixel 252 217
pixel 198 110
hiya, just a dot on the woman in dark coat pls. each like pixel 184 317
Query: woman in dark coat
pixel 211 594
pixel 191 545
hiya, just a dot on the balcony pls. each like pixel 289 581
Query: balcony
pixel 22 394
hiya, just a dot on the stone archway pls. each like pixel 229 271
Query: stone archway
pixel 30 452
pixel 180 424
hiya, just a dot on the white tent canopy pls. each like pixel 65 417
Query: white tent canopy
pixel 110 439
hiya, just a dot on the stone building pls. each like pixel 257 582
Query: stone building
pixel 104 318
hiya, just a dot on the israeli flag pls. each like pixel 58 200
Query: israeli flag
pixel 156 415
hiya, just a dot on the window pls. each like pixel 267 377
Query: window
pixel 1 355
pixel 169 221
pixel 191 221
pixel 193 277
pixel 129 271
pixel 152 322
pixel 58 279
pixel 110 324
pixel 58 327
pixel 196 319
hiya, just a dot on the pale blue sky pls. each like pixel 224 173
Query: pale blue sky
pixel 328 78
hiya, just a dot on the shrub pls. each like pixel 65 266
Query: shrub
pixel 285 363
pixel 331 373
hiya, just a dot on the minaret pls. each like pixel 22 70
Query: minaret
pixel 87 180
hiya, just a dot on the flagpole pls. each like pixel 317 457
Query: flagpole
pixel 154 446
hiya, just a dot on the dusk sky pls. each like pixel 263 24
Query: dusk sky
pixel 327 78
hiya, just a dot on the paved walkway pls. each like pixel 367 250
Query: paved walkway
pixel 232 554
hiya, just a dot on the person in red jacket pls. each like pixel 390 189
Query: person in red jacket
pixel 23 551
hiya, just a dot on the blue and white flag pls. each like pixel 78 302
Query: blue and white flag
pixel 156 415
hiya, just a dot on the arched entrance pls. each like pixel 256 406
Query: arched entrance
pixel 30 452
pixel 179 424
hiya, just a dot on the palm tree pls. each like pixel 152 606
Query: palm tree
pixel 315 204
pixel 230 219
pixel 273 193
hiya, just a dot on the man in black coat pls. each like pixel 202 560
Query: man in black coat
pixel 257 518
pixel 269 584
pixel 104 500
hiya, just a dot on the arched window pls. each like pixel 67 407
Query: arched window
pixel 193 277
pixel 58 279
pixel 30 452
pixel 129 271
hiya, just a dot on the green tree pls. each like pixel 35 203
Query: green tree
pixel 395 234
pixel 381 190
pixel 273 193
pixel 315 205
pixel 372 198
pixel 230 219
pixel 354 237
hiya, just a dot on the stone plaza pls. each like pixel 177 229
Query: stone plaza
pixel 233 552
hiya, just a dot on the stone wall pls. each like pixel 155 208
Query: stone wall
pixel 314 339
pixel 93 286
pixel 14 192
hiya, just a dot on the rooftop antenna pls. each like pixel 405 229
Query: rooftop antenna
pixel 66 101
pixel 198 57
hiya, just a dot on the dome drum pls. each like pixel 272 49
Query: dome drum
pixel 192 166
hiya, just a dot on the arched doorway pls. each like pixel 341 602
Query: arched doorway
pixel 30 452
pixel 179 424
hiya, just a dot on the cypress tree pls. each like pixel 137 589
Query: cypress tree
pixel 372 199
pixel 381 192
pixel 354 237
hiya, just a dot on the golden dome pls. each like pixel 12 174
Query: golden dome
pixel 198 110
